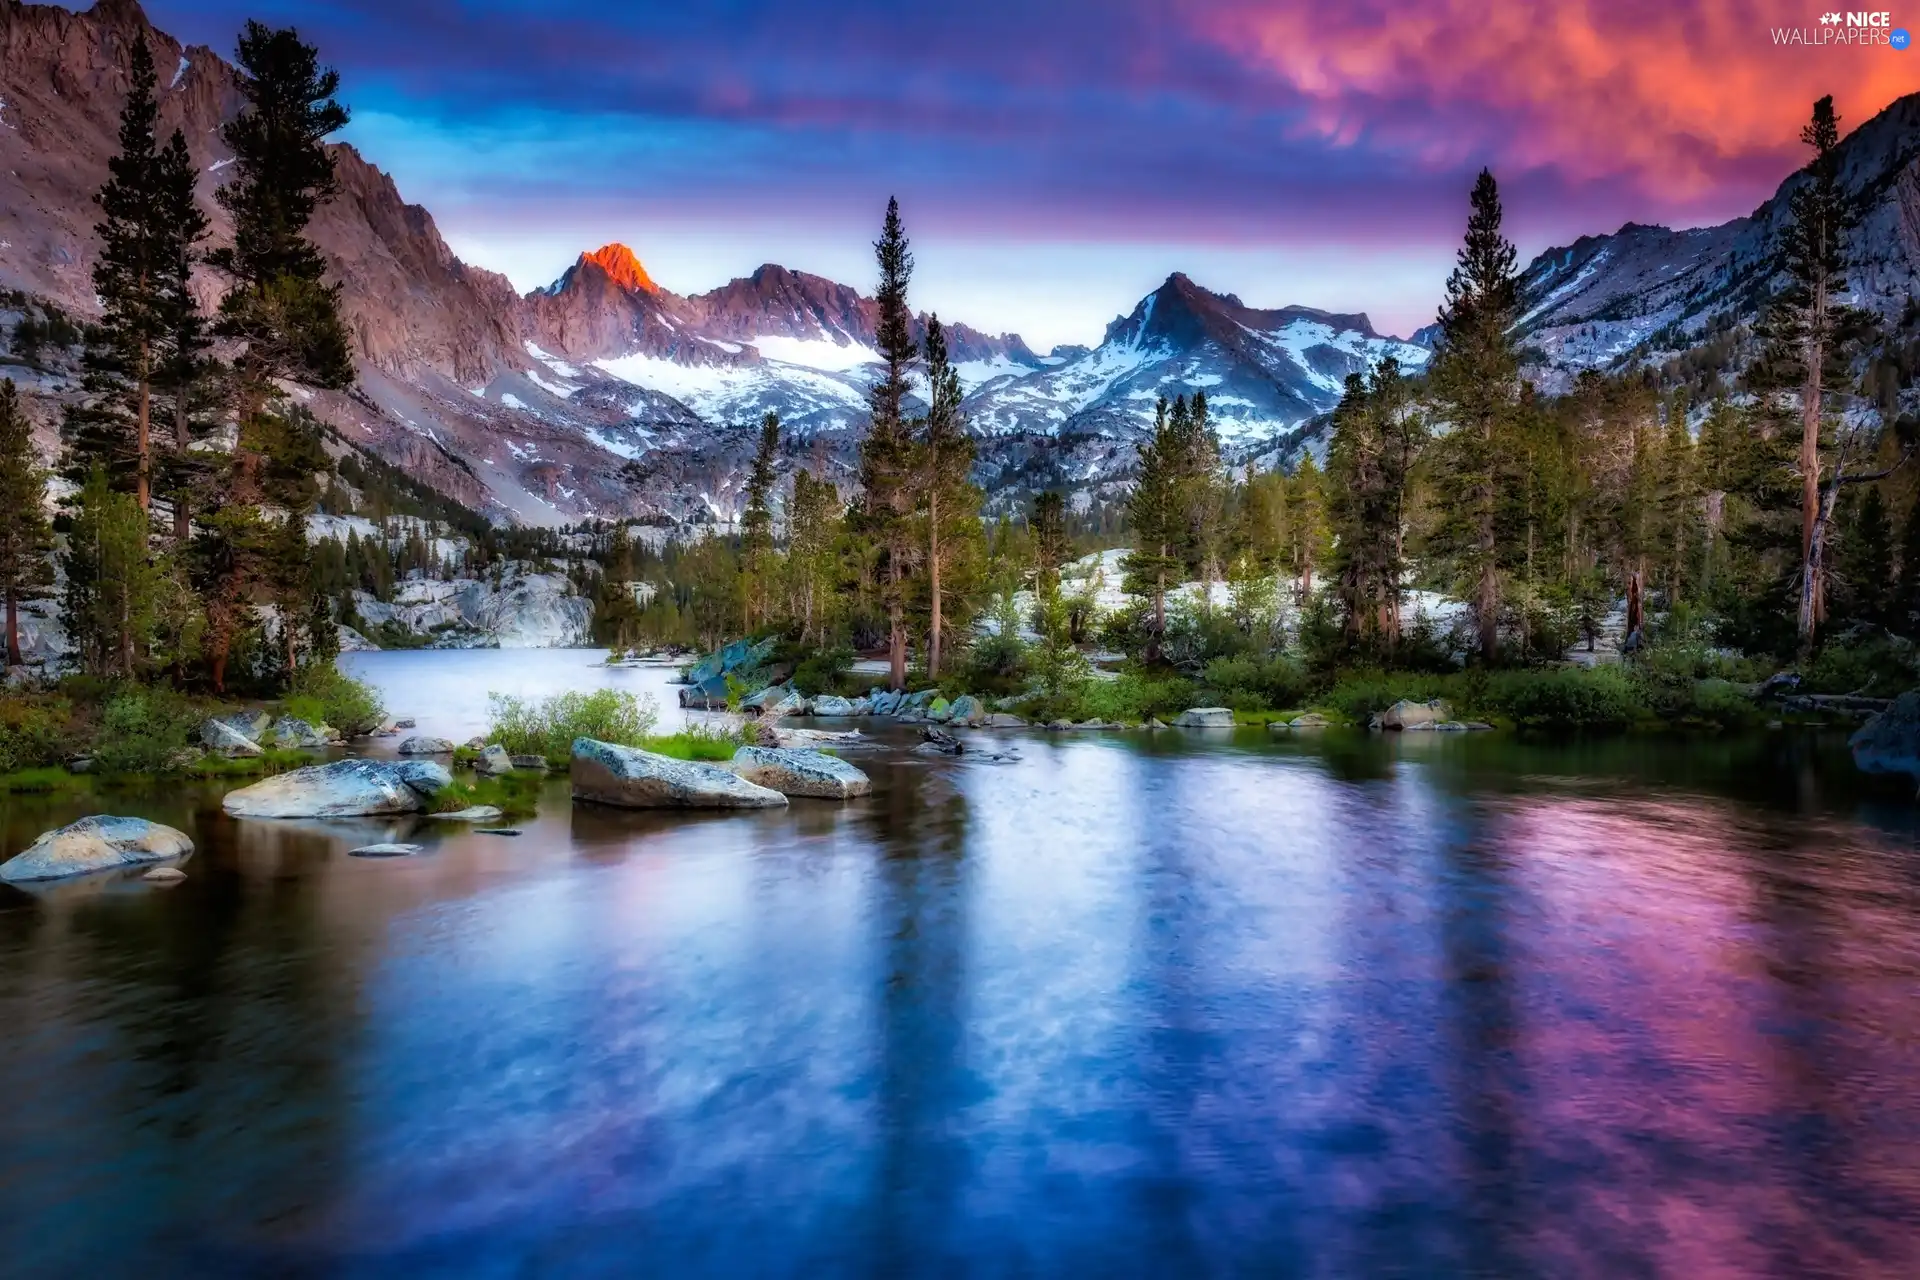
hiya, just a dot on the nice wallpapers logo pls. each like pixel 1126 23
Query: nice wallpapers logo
pixel 1862 30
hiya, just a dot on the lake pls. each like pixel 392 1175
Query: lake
pixel 1138 1004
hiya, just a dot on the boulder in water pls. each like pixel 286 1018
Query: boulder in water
pixel 967 710
pixel 494 761
pixel 165 875
pixel 794 772
pixel 1414 715
pixel 424 746
pixel 604 773
pixel 221 736
pixel 832 707
pixel 341 789
pixel 472 813
pixel 1204 718
pixel 385 850
pixel 1004 720
pixel 289 732
pixel 99 843
pixel 1890 742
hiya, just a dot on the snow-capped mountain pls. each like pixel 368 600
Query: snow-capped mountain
pixel 1650 291
pixel 1264 372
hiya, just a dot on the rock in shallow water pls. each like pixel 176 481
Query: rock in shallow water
pixel 801 773
pixel 423 746
pixel 1890 742
pixel 1204 718
pixel 342 789
pixel 472 813
pixel 385 850
pixel 494 761
pixel 165 875
pixel 634 779
pixel 99 843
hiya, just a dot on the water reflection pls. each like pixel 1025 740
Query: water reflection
pixel 1133 1006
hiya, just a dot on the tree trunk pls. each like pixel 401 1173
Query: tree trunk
pixel 1636 602
pixel 143 438
pixel 13 631
pixel 1159 612
pixel 182 517
pixel 933 582
pixel 896 631
pixel 1815 355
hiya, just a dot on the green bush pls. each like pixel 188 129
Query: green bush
pixel 34 732
pixel 1130 699
pixel 322 694
pixel 1863 660
pixel 1361 694
pixel 823 671
pixel 41 781
pixel 1604 697
pixel 1247 683
pixel 514 794
pixel 548 726
pixel 142 731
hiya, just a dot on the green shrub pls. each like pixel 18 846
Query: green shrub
pixel 514 794
pixel 1604 697
pixel 34 732
pixel 823 671
pixel 1863 660
pixel 142 731
pixel 1129 699
pixel 1248 683
pixel 1361 694
pixel 273 760
pixel 323 694
pixel 548 726
pixel 41 781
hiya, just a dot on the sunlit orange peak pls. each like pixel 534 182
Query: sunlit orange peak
pixel 622 267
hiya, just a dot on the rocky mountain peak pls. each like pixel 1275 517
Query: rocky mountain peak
pixel 621 267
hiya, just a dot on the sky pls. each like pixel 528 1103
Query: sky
pixel 1056 159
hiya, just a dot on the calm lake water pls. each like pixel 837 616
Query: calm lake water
pixel 1136 1005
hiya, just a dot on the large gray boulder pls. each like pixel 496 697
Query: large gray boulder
pixel 494 761
pixel 341 789
pixel 967 710
pixel 289 732
pixel 1414 715
pixel 800 773
pixel 221 736
pixel 99 843
pixel 775 701
pixel 248 724
pixel 1890 742
pixel 630 778
pixel 424 746
pixel 1204 718
pixel 833 707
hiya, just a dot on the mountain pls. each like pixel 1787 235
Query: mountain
pixel 1263 371
pixel 1651 292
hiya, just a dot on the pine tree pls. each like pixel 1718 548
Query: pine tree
pixel 949 503
pixel 1905 606
pixel 1154 510
pixel 813 524
pixel 1865 560
pixel 112 581
pixel 756 524
pixel 183 372
pixel 280 309
pixel 1050 546
pixel 887 454
pixel 1807 332
pixel 113 428
pixel 26 539
pixel 1202 498
pixel 1310 541
pixel 1474 378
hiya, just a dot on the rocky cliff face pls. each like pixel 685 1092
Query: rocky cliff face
pixel 522 610
pixel 1650 291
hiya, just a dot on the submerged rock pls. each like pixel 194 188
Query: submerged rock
pixel 1310 720
pixel 472 813
pixel 794 772
pixel 423 746
pixel 341 789
pixel 1204 718
pixel 165 875
pixel 387 850
pixel 774 736
pixel 940 741
pixel 1890 742
pixel 630 778
pixel 99 843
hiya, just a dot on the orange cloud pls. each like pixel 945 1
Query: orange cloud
pixel 1673 97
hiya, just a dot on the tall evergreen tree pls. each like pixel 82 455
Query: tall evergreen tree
pixel 813 526
pixel 112 428
pixel 1154 509
pixel 1809 331
pixel 948 501
pixel 112 582
pixel 887 454
pixel 26 539
pixel 1474 378
pixel 1050 544
pixel 185 388
pixel 756 523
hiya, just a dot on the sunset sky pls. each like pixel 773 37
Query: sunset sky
pixel 1055 159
